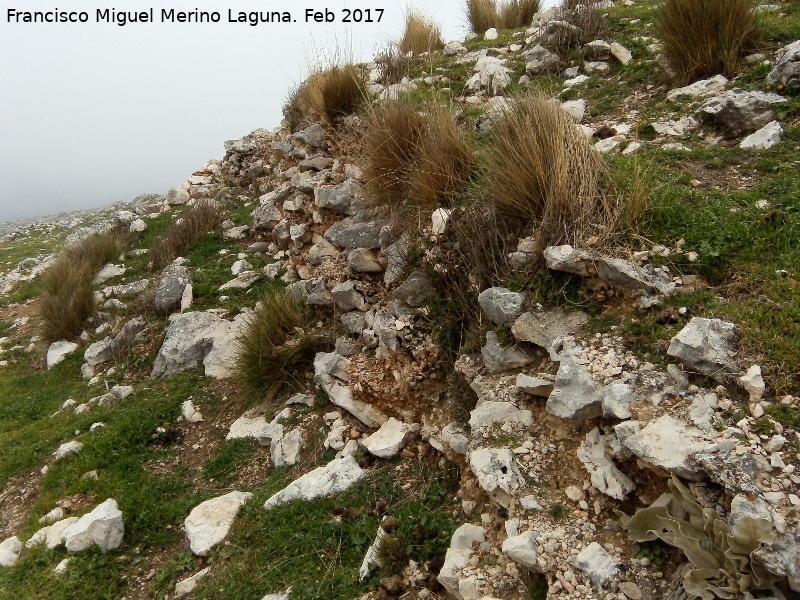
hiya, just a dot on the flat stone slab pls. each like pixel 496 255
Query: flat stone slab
pixel 333 478
pixel 209 522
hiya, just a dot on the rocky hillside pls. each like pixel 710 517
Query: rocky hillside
pixel 281 389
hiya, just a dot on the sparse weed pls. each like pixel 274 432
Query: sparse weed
pixel 179 237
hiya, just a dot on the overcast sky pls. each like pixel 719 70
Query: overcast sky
pixel 94 113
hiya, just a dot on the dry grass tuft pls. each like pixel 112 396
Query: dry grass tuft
pixel 541 169
pixel 277 346
pixel 587 20
pixel 327 94
pixel 518 13
pixel 68 294
pixel 179 237
pixel 420 36
pixel 415 160
pixel 703 38
pixel 485 14
pixel 482 15
pixel 394 65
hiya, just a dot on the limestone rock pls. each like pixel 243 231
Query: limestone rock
pixel 455 438
pixel 597 564
pixel 188 585
pixel 173 281
pixel 333 478
pixel 241 282
pixel 330 371
pixel 569 260
pixel 196 337
pixel 741 111
pixel 58 351
pixel 523 550
pixel 704 345
pixel 669 444
pixel 346 297
pixel 9 551
pixel 703 87
pixel 286 450
pixel 346 198
pixel 539 59
pixel 350 234
pixel 68 449
pixel 102 527
pixel 209 522
pixel 576 396
pixel 605 475
pixel 498 358
pixel 786 71
pixel 543 328
pixel 617 399
pixel 496 472
pixel 536 386
pixel 249 426
pixel 388 440
pixel 765 138
pixel 363 260
pixel 624 273
pixel 501 305
pixel 488 413
pixel 414 290
pixel 313 135
pixel 621 53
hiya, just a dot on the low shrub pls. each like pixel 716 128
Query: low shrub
pixel 67 286
pixel 414 159
pixel 420 36
pixel 327 94
pixel 540 170
pixel 179 237
pixel 703 38
pixel 277 345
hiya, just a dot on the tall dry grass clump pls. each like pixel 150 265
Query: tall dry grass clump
pixel 277 345
pixel 67 291
pixel 485 14
pixel 541 170
pixel 414 159
pixel 518 13
pixel 703 38
pixel 179 237
pixel 420 36
pixel 328 94
pixel 482 15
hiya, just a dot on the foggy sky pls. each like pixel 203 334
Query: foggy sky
pixel 94 113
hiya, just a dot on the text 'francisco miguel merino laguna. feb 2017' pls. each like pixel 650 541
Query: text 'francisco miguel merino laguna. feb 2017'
pixel 170 15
